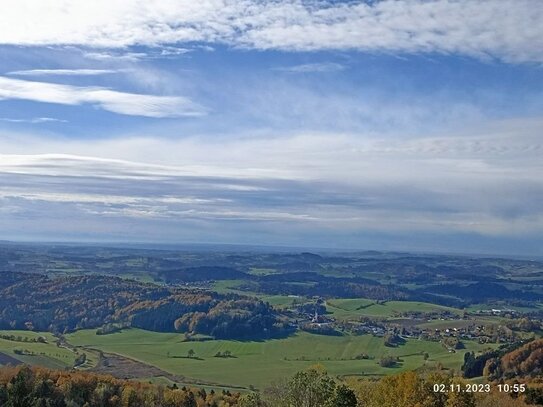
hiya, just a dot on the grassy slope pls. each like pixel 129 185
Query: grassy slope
pixel 348 308
pixel 260 363
pixel 47 354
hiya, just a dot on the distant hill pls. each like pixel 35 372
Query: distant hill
pixel 202 273
pixel 37 302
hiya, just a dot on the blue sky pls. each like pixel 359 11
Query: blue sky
pixel 411 125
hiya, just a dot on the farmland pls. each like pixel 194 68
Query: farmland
pixel 352 308
pixel 258 363
pixel 46 354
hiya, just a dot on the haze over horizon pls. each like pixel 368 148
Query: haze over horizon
pixel 390 125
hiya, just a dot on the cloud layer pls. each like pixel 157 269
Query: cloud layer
pixel 306 144
pixel 110 100
pixel 320 184
pixel 510 30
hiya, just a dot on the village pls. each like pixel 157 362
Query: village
pixel 498 325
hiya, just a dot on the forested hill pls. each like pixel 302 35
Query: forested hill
pixel 512 361
pixel 525 361
pixel 33 301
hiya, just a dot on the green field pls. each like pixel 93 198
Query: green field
pixel 259 363
pixel 281 301
pixel 45 354
pixel 262 271
pixel 355 308
pixel 229 286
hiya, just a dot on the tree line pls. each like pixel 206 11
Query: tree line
pixel 313 387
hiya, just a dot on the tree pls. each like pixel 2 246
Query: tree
pixel 251 400
pixel 534 395
pixel 102 393
pixel 20 389
pixel 3 395
pixel 392 340
pixel 344 397
pixel 311 388
pixel 191 353
pixel 38 387
pixel 491 366
pixel 460 399
pixel 129 397
pixel 179 398
pixel 387 361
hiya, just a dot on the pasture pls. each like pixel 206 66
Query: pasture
pixel 354 308
pixel 35 353
pixel 259 363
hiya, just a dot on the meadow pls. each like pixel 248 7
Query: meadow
pixel 258 363
pixel 355 308
pixel 35 353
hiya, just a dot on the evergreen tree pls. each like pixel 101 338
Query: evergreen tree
pixel 19 391
pixel 344 397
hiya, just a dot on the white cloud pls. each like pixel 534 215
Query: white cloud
pixel 173 51
pixel 315 67
pixel 488 182
pixel 35 120
pixel 67 197
pixel 510 30
pixel 115 56
pixel 64 72
pixel 113 101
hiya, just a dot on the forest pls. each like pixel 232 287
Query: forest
pixel 69 303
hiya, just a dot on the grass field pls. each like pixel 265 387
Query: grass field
pixel 228 286
pixel 259 363
pixel 355 308
pixel 281 301
pixel 45 354
pixel 262 271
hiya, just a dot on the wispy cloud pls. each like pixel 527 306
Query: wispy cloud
pixel 509 29
pixel 109 56
pixel 111 100
pixel 486 185
pixel 173 51
pixel 314 67
pixel 35 120
pixel 65 72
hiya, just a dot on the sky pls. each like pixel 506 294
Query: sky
pixel 391 125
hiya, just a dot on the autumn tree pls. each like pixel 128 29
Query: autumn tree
pixel 310 388
pixel 251 400
pixel 460 398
